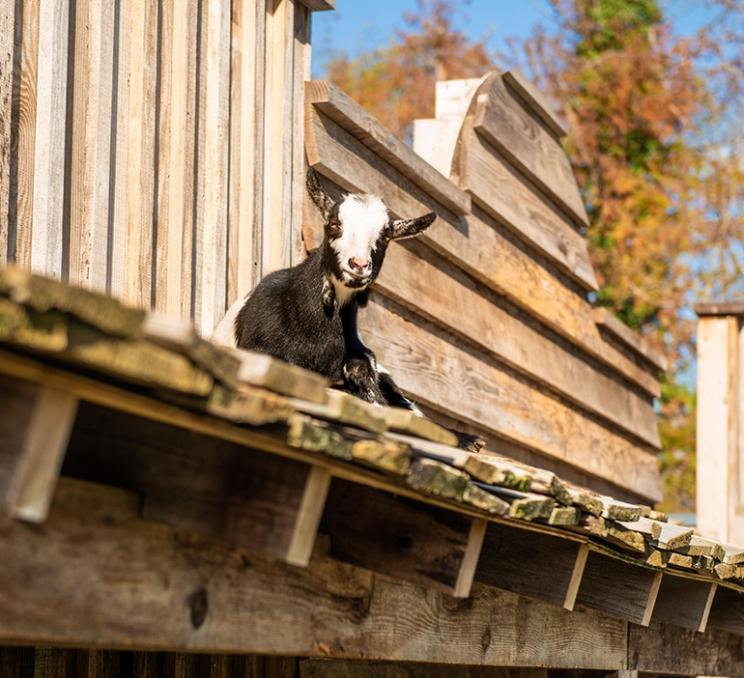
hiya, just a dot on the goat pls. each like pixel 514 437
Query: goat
pixel 307 314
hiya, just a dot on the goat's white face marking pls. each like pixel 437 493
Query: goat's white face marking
pixel 363 218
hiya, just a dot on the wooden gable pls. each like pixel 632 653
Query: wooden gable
pixel 485 319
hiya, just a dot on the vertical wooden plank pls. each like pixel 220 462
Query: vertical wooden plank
pixel 210 256
pixel 91 143
pixel 246 116
pixel 22 189
pixel 300 72
pixel 147 665
pixel 718 463
pixel 54 663
pixel 178 665
pixel 470 560
pixel 49 162
pixel 577 573
pixel 308 516
pixel 176 155
pixel 140 169
pixel 8 21
pixel 99 664
pixel 278 116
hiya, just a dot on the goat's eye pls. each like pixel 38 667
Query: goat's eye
pixel 334 226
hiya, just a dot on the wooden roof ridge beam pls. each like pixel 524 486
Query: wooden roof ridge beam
pixel 353 118
pixel 618 588
pixel 35 429
pixel 628 338
pixel 516 561
pixel 684 602
pixel 535 101
pixel 244 497
pixel 417 543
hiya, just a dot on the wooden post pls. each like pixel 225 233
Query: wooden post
pixel 34 431
pixel 720 413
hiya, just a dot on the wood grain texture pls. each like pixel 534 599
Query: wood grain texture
pixel 10 21
pixel 338 106
pixel 684 602
pixel 210 255
pixel 319 5
pixel 414 543
pixel 278 102
pixel 35 432
pixel 47 236
pixel 327 609
pixel 513 561
pixel 502 192
pixel 177 39
pixel 426 365
pixel 22 192
pixel 535 101
pixel 727 612
pixel 667 649
pixel 476 244
pixel 507 125
pixel 630 339
pixel 91 143
pixel 336 668
pixel 244 229
pixel 617 588
pixel 434 289
pixel 246 498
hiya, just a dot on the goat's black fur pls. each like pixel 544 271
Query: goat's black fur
pixel 293 314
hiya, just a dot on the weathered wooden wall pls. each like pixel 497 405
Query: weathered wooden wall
pixel 144 143
pixel 485 319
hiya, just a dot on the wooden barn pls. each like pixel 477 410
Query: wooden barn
pixel 171 506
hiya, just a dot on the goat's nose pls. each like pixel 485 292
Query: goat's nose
pixel 358 263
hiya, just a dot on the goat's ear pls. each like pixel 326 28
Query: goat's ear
pixel 322 200
pixel 407 228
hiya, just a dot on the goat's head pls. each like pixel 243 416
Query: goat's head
pixel 358 229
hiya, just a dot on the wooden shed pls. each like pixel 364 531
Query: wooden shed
pixel 171 507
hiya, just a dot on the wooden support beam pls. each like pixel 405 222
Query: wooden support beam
pixel 339 668
pixel 684 602
pixel 618 588
pixel 34 432
pixel 319 5
pixel 670 650
pixel 727 612
pixel 402 538
pixel 120 581
pixel 226 491
pixel 514 560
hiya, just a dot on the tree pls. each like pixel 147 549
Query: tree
pixel 396 84
pixel 654 144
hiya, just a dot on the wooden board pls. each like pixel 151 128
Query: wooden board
pixel 334 668
pixel 618 588
pixel 502 192
pixel 10 22
pixel 727 612
pixel 413 542
pixel 254 500
pixel 94 538
pixel 475 243
pixel 684 602
pixel 91 143
pixel 426 365
pixel 47 237
pixel 437 291
pixel 515 561
pixel 670 650
pixel 332 102
pixel 535 101
pixel 630 339
pixel 504 122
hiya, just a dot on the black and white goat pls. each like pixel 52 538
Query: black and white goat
pixel 307 314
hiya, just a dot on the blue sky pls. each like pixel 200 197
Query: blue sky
pixel 358 26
